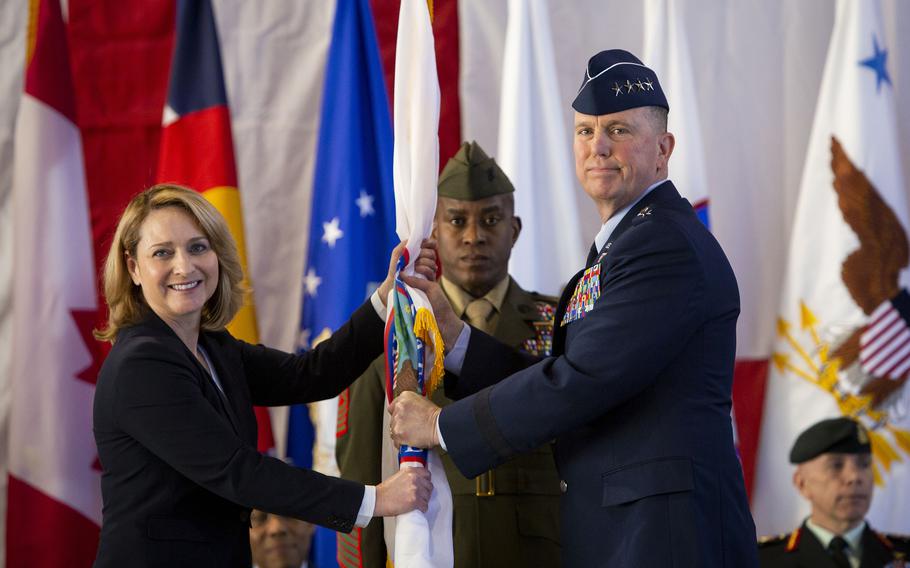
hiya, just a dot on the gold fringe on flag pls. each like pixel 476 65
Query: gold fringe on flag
pixel 426 330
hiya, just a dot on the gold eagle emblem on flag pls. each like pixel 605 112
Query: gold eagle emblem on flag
pixel 865 368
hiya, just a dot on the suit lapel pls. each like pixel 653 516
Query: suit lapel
pixel 559 331
pixel 229 398
pixel 664 192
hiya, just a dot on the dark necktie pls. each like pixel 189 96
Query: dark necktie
pixel 592 254
pixel 837 548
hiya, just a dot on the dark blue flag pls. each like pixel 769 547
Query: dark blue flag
pixel 352 228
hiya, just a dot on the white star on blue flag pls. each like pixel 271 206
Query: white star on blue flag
pixel 331 232
pixel 365 203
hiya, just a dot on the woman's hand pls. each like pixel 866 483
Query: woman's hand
pixel 427 265
pixel 403 492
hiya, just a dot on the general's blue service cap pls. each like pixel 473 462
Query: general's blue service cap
pixel 614 81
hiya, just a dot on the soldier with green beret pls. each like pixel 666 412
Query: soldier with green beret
pixel 834 473
pixel 509 516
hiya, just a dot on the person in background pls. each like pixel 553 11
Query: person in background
pixel 833 461
pixel 637 392
pixel 508 517
pixel 279 542
pixel 173 407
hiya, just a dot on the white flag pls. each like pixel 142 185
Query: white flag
pixel 421 540
pixel 667 53
pixel 532 152
pixel 846 281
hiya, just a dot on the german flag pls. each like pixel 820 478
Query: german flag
pixel 197 149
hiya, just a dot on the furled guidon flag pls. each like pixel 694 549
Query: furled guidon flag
pixel 843 343
pixel 54 494
pixel 414 348
pixel 667 53
pixel 197 149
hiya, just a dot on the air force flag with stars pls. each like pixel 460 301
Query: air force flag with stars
pixel 352 224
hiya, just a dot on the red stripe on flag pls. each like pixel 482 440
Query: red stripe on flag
pixel 48 77
pixel 882 336
pixel 749 381
pixel 33 518
pixel 197 150
pixel 445 35
pixel 886 350
pixel 894 359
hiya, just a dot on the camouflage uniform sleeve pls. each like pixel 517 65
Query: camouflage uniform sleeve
pixel 358 451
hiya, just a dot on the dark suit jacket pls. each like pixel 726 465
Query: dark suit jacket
pixel 180 465
pixel 637 396
pixel 806 550
pixel 518 527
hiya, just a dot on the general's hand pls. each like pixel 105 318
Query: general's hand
pixel 405 491
pixel 414 421
pixel 427 265
pixel 449 324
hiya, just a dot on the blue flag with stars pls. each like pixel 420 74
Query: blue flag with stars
pixel 352 227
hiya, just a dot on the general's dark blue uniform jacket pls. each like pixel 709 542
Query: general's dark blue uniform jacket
pixel 180 466
pixel 637 396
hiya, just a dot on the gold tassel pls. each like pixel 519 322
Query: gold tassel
pixel 426 329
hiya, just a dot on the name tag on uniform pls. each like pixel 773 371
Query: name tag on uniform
pixel 587 290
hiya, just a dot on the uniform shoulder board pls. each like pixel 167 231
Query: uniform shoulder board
pixel 892 541
pixel 790 540
pixel 773 540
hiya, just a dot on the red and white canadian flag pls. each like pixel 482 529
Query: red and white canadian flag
pixel 54 508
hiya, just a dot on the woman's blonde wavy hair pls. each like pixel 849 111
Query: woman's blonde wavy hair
pixel 125 302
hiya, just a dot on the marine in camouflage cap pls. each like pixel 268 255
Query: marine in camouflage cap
pixel 471 175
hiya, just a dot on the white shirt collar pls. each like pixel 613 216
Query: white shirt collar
pixel 852 536
pixel 607 228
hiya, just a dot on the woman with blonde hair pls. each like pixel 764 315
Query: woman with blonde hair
pixel 173 411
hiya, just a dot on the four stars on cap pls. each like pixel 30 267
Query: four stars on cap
pixel 629 86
